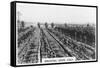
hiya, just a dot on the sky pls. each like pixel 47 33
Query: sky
pixel 33 13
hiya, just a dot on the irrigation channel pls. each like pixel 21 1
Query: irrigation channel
pixel 34 44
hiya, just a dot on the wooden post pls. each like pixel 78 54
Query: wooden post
pixel 75 36
pixel 85 39
pixel 80 38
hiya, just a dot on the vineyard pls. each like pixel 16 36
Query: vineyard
pixel 36 43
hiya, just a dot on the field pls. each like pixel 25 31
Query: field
pixel 55 41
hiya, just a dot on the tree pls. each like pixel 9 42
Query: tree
pixel 46 25
pixel 23 24
pixel 87 25
pixel 65 25
pixel 52 25
pixel 38 24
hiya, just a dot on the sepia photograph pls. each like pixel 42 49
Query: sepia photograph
pixel 54 33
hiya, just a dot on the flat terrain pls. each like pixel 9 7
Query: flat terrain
pixel 36 43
